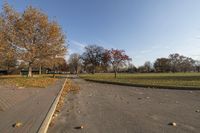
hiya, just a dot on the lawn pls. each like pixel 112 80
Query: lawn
pixel 157 80
pixel 24 82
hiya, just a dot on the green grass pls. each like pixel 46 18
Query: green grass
pixel 19 81
pixel 171 80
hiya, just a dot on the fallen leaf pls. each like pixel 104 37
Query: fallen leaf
pixel 17 124
pixel 79 127
pixel 172 124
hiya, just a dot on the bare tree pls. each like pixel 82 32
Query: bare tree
pixel 131 68
pixel 105 63
pixel 148 66
pixel 174 61
pixel 92 56
pixel 74 62
pixel 162 65
pixel 180 63
pixel 197 65
pixel 186 64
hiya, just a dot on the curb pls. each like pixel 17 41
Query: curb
pixel 45 124
pixel 146 86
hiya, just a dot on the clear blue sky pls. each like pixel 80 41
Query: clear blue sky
pixel 145 29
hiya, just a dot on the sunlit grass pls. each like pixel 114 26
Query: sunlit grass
pixel 42 81
pixel 151 79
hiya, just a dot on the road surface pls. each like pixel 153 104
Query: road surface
pixel 106 108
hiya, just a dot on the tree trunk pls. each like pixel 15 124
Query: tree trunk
pixel 54 71
pixel 76 70
pixel 8 69
pixel 29 70
pixel 115 74
pixel 93 71
pixel 40 70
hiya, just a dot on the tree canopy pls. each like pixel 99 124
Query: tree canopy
pixel 32 35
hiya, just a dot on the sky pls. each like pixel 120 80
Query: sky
pixel 145 29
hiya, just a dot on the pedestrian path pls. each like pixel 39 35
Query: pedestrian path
pixel 26 106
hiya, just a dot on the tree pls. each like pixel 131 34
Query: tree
pixel 174 61
pixel 74 62
pixel 64 66
pixel 43 63
pixel 8 53
pixel 180 63
pixel 197 65
pixel 117 58
pixel 162 65
pixel 60 64
pixel 105 60
pixel 141 69
pixel 147 66
pixel 33 35
pixel 8 59
pixel 8 22
pixel 92 57
pixel 57 64
pixel 131 68
pixel 186 64
pixel 2 41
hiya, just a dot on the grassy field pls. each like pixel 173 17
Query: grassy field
pixel 160 80
pixel 19 81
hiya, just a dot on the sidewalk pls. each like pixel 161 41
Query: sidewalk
pixel 27 106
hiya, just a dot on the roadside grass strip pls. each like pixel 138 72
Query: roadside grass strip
pixel 158 80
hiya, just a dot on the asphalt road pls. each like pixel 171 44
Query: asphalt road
pixel 105 108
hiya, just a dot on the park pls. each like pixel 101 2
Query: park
pixel 50 83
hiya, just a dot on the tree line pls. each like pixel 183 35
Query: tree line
pixel 98 59
pixel 30 39
pixel 174 63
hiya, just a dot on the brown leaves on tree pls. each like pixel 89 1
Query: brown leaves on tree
pixel 32 35
pixel 117 58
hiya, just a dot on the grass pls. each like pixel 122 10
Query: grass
pixel 157 80
pixel 19 81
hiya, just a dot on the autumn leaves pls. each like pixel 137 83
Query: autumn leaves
pixel 31 36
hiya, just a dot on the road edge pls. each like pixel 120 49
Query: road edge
pixel 145 86
pixel 45 124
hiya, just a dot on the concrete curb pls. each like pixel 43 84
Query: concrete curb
pixel 146 86
pixel 45 124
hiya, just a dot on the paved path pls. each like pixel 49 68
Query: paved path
pixel 105 108
pixel 28 106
